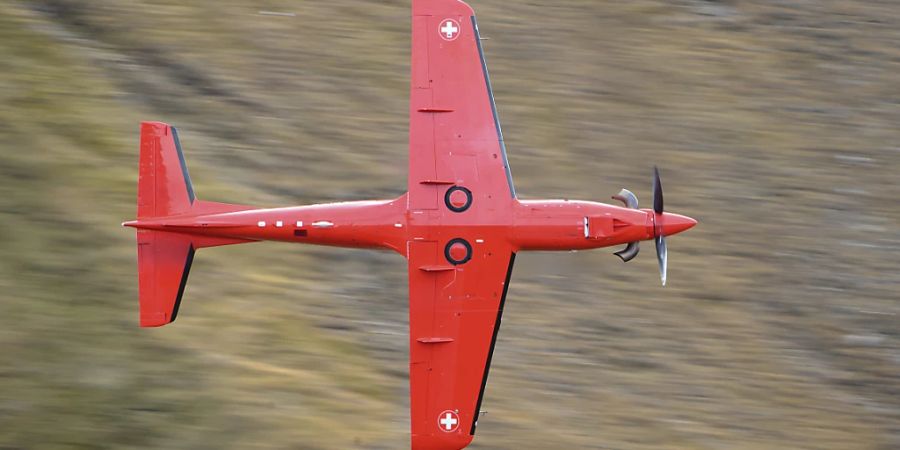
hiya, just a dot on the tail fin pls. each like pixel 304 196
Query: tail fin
pixel 164 186
pixel 164 262
pixel 165 191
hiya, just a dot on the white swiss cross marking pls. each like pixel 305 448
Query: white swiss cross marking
pixel 448 421
pixel 449 29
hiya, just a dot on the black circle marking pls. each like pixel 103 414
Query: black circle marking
pixel 463 207
pixel 449 257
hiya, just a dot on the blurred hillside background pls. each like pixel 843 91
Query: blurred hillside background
pixel 775 123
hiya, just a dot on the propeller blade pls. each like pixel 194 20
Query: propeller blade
pixel 662 255
pixel 629 252
pixel 657 192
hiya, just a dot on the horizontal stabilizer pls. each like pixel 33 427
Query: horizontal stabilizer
pixel 164 186
pixel 164 262
pixel 166 201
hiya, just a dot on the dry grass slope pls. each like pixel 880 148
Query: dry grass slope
pixel 775 124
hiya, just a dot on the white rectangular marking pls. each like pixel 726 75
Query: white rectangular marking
pixel 261 224
pixel 322 224
pixel 277 13
pixel 279 224
pixel 299 224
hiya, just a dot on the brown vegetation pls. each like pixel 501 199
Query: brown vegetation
pixel 775 124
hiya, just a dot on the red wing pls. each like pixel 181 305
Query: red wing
pixel 455 135
pixel 458 179
pixel 454 317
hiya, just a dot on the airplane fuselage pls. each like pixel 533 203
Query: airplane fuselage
pixel 549 225
pixel 460 225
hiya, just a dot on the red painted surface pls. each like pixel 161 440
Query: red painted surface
pixel 460 243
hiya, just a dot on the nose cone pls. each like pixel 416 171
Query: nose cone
pixel 675 223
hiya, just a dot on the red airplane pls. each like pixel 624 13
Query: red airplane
pixel 460 225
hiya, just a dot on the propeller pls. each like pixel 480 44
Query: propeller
pixel 661 252
pixel 663 224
